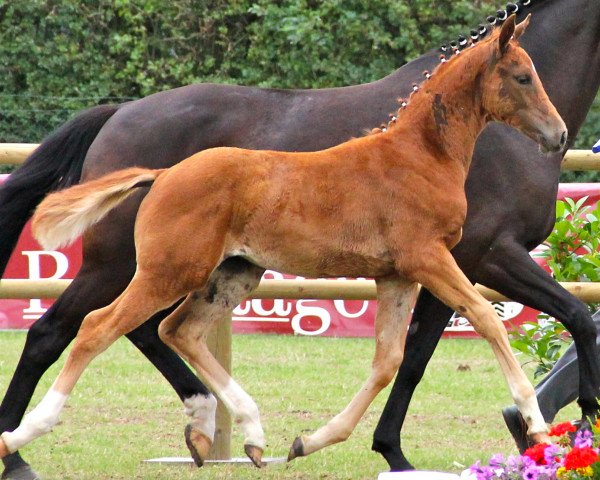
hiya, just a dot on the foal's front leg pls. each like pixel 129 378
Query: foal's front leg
pixel 395 298
pixel 440 274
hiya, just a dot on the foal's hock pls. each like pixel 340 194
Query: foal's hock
pixel 367 207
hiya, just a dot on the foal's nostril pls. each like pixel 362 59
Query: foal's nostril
pixel 563 139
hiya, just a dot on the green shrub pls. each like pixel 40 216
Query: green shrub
pixel 572 254
pixel 62 56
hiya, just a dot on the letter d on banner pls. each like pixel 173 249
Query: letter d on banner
pixel 35 309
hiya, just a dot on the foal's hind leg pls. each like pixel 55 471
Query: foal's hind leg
pixel 439 273
pixel 395 298
pixel 98 331
pixel 185 330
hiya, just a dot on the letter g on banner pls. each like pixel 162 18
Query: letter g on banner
pixel 305 311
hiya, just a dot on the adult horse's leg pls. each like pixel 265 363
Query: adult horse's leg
pixel 100 280
pixel 439 273
pixel 46 340
pixel 559 388
pixel 395 299
pixel 555 391
pixel 98 331
pixel 511 271
pixel 430 317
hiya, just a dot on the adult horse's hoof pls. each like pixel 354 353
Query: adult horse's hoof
pixel 296 450
pixel 198 444
pixel 517 427
pixel 24 472
pixel 255 454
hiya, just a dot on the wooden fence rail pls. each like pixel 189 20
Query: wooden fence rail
pixel 16 153
pixel 319 289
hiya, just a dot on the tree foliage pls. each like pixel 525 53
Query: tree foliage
pixel 60 56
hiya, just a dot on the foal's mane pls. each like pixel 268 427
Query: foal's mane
pixel 451 50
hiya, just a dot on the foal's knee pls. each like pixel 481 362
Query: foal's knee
pixel 487 323
pixel 166 333
pixel 384 371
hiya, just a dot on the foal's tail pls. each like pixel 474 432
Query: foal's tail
pixel 63 216
pixel 55 164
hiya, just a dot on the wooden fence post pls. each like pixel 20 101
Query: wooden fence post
pixel 219 344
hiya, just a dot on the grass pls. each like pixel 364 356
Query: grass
pixel 123 411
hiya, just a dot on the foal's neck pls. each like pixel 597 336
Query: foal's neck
pixel 446 114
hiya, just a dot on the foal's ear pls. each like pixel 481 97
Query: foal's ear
pixel 506 33
pixel 521 27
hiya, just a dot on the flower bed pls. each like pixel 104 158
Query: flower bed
pixel 575 456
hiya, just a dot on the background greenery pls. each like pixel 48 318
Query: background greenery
pixel 60 56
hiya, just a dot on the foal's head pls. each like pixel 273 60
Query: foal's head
pixel 513 92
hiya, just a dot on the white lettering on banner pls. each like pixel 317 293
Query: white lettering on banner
pixel 242 309
pixel 255 311
pixel 35 309
pixel 505 310
pixel 281 308
pixel 304 311
pixel 340 306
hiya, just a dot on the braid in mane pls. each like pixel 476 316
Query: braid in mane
pixel 453 48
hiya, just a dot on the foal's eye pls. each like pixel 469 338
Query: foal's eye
pixel 523 79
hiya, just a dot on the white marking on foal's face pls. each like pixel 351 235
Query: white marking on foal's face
pixel 37 422
pixel 533 66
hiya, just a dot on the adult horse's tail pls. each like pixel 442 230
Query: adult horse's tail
pixel 55 164
pixel 63 216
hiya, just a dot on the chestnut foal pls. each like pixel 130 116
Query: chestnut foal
pixel 389 206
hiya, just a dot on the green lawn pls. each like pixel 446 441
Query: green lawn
pixel 123 411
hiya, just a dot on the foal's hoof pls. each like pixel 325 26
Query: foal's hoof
pixel 198 444
pixel 297 449
pixel 21 473
pixel 254 454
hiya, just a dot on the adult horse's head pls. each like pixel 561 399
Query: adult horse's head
pixel 513 92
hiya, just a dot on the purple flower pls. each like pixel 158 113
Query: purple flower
pixel 497 460
pixel 482 472
pixel 531 473
pixel 553 454
pixel 584 438
pixel 514 464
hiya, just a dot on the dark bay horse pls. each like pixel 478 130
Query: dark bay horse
pixel 367 207
pixel 511 191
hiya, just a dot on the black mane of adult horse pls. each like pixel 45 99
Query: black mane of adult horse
pixel 511 191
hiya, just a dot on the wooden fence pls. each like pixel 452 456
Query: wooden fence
pixel 16 153
pixel 220 342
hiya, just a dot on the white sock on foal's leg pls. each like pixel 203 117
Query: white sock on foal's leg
pixel 202 409
pixel 37 422
pixel 246 414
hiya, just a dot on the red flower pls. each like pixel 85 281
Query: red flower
pixel 562 428
pixel 536 453
pixel 580 458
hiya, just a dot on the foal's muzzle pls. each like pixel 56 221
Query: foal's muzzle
pixel 553 143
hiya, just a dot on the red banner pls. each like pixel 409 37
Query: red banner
pixel 338 318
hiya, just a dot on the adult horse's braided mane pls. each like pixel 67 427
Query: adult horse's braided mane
pixel 450 50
